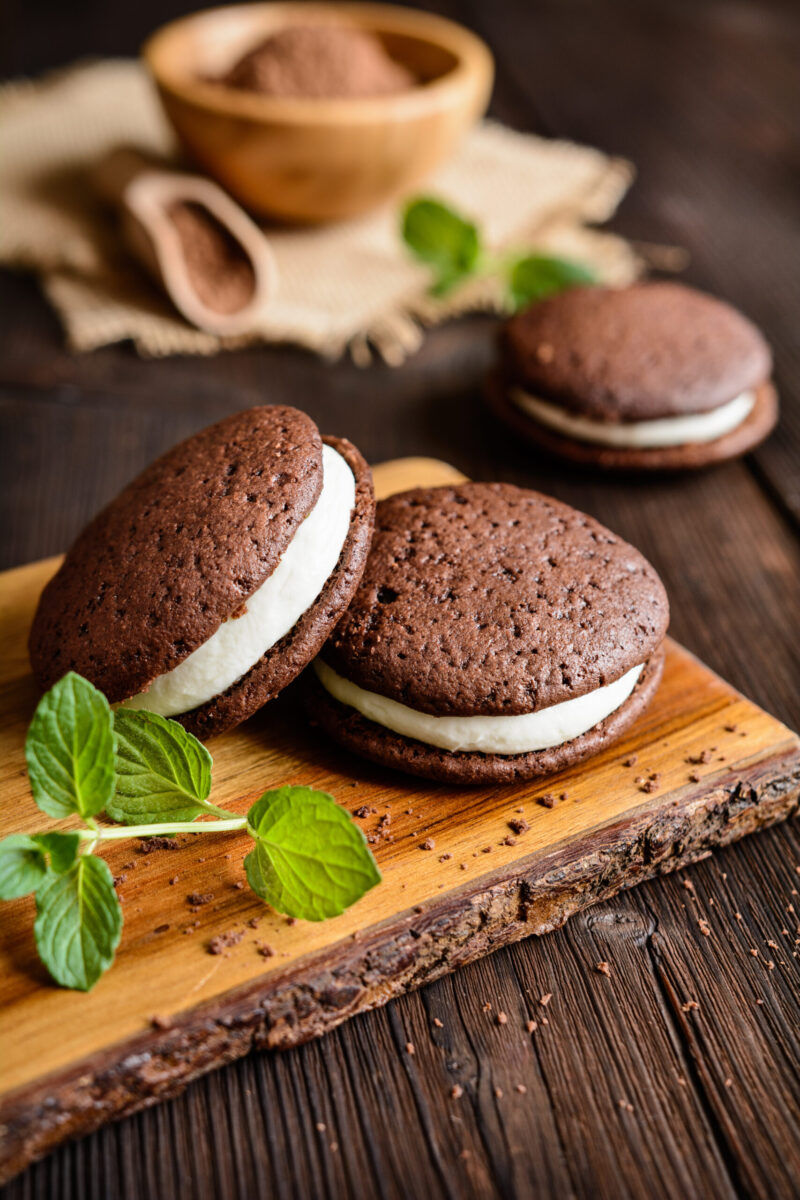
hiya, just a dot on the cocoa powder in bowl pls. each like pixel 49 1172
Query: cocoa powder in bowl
pixel 320 62
pixel 219 269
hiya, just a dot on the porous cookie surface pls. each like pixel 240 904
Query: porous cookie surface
pixel 383 746
pixel 634 354
pixel 285 660
pixel 178 551
pixel 487 599
pixel 690 456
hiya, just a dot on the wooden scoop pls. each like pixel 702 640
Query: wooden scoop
pixel 212 260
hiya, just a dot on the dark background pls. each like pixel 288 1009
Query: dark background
pixel 704 97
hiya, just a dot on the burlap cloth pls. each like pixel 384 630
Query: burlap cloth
pixel 348 285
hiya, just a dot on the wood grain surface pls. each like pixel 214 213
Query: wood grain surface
pixel 703 97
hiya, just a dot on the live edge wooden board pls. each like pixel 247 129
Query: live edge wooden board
pixel 71 1061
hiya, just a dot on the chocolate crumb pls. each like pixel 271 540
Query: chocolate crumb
pixel 689 1006
pixel 428 844
pixel 291 920
pixel 486 850
pixel 703 757
pixel 498 1091
pixel 160 1022
pixel 694 777
pixel 238 885
pixel 501 1018
pixel 265 950
pixel 253 922
pixel 518 825
pixel 173 880
pixel 196 899
pixel 161 929
pixel 486 1006
pixel 410 1048
pixel 149 844
pixel 509 840
pixel 456 1092
pixel 548 800
pixel 531 1026
pixel 632 761
pixel 730 728
pixel 704 927
pixel 545 999
pixel 222 942
pixel 649 786
pixel 603 968
pixel 444 857
pixel 520 1087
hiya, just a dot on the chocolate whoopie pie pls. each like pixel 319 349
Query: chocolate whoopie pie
pixel 208 584
pixel 496 635
pixel 656 375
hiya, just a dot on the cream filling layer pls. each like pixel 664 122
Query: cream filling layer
pixel 667 431
pixel 518 734
pixel 272 610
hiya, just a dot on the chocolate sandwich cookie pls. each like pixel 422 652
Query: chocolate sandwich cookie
pixel 216 575
pixel 496 635
pixel 656 375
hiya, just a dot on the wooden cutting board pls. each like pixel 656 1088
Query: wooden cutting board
pixel 71 1061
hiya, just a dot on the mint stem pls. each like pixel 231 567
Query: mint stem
pixel 111 833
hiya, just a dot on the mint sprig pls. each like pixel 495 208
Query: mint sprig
pixel 309 861
pixel 451 245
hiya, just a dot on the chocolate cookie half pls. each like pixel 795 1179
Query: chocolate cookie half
pixel 208 584
pixel 496 635
pixel 656 375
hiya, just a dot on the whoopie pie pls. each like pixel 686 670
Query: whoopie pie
pixel 208 584
pixel 656 375
pixel 496 635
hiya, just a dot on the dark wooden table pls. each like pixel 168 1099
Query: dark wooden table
pixel 627 1095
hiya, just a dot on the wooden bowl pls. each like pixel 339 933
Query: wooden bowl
pixel 311 159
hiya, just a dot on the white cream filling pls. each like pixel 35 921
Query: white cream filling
pixel 519 734
pixel 272 611
pixel 667 431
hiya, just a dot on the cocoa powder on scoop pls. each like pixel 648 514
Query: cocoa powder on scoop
pixel 320 62
pixel 218 267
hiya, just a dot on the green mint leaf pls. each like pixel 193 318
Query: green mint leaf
pixel 442 238
pixel 539 275
pixel 163 772
pixel 310 860
pixel 62 848
pixel 78 923
pixel 22 866
pixel 70 749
